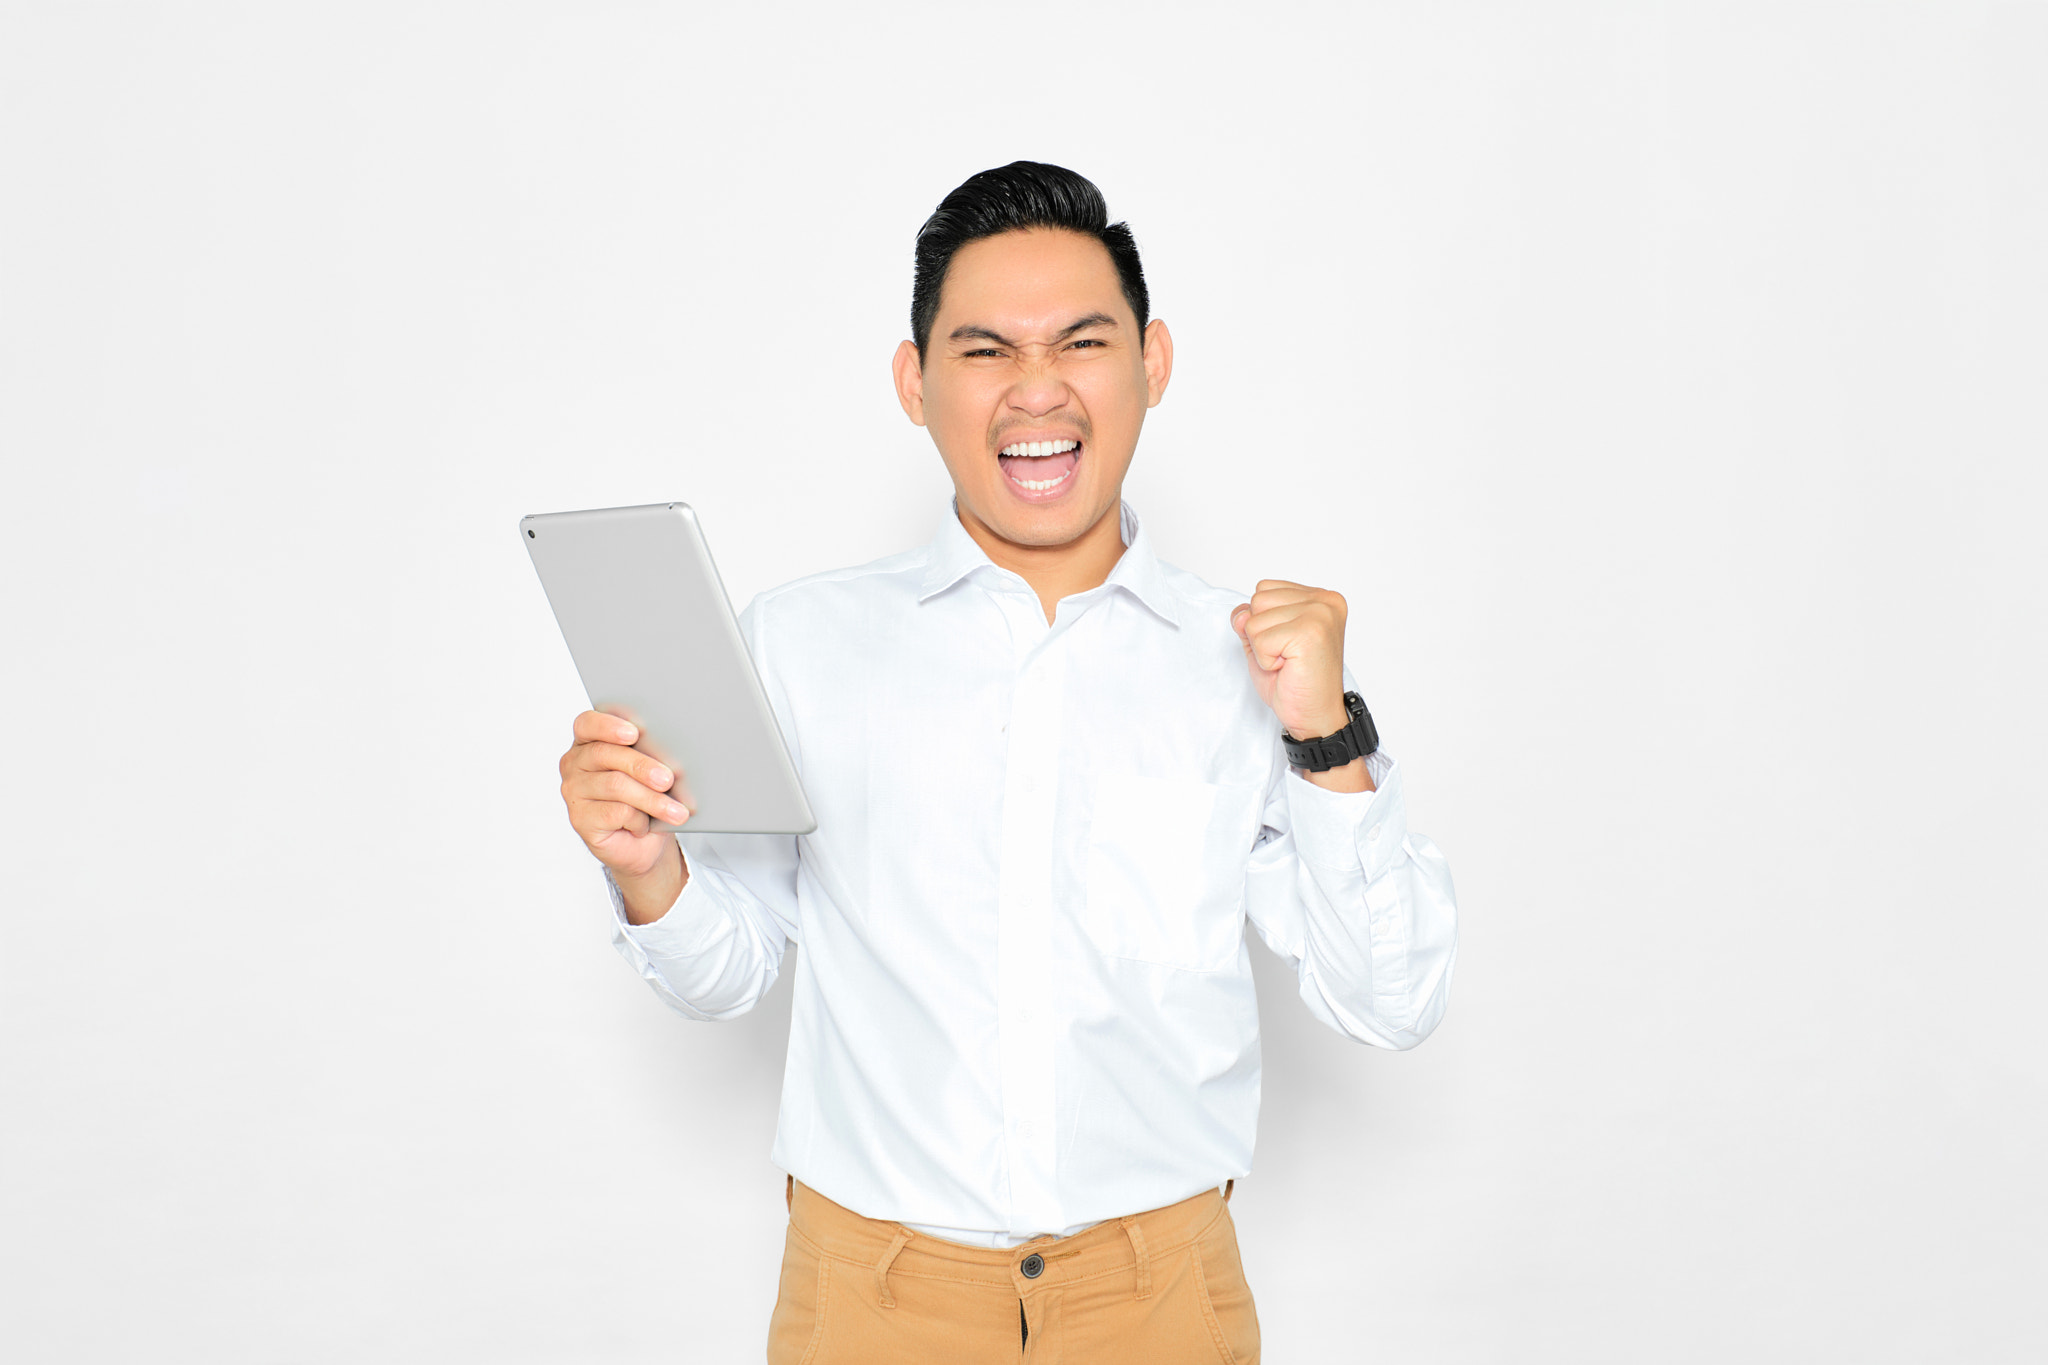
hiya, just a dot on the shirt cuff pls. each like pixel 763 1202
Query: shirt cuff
pixel 1348 831
pixel 682 930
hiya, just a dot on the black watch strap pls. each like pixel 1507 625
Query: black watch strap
pixel 1354 741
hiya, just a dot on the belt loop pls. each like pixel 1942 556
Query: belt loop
pixel 789 1194
pixel 1228 1186
pixel 1144 1263
pixel 882 1268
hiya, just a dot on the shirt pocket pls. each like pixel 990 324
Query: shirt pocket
pixel 1166 869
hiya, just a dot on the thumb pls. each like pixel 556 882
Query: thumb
pixel 1240 616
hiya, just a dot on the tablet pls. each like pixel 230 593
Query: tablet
pixel 655 641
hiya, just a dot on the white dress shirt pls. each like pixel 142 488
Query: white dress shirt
pixel 1024 1001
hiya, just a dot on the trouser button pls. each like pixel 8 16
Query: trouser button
pixel 1033 1267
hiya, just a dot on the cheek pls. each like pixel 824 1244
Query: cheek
pixel 1114 407
pixel 961 433
pixel 959 415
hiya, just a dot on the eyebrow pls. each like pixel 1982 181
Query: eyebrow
pixel 972 332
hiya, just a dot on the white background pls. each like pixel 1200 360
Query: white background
pixel 1662 383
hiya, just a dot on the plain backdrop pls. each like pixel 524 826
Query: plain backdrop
pixel 1663 384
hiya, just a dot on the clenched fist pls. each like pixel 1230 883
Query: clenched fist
pixel 1294 645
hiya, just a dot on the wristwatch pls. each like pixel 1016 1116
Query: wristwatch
pixel 1355 740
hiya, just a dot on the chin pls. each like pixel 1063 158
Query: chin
pixel 1044 525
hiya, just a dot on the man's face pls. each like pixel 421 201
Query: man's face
pixel 1035 383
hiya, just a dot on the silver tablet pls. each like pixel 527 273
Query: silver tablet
pixel 655 641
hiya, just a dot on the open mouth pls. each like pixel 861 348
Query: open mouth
pixel 1038 470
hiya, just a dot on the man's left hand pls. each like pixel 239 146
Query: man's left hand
pixel 1294 645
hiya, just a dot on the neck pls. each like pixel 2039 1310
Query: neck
pixel 1056 571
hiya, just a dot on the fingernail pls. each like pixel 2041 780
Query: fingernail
pixel 678 812
pixel 628 735
pixel 662 777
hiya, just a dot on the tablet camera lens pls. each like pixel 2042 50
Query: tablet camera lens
pixel 529 533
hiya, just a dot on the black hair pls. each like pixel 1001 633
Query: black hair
pixel 1023 194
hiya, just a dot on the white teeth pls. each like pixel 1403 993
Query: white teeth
pixel 1041 485
pixel 1039 449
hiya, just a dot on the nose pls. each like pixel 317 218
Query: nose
pixel 1038 391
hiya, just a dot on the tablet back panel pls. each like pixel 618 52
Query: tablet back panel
pixel 655 640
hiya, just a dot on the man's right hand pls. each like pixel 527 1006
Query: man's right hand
pixel 614 794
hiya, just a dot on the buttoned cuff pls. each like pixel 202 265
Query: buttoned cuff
pixel 683 930
pixel 1350 831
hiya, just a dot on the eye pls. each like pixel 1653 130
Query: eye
pixel 984 351
pixel 1087 341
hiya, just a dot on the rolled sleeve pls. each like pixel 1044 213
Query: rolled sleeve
pixel 1361 906
pixel 1350 831
pixel 719 948
pixel 687 927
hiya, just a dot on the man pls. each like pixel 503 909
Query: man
pixel 1051 788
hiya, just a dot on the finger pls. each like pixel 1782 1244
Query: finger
pixel 1299 636
pixel 620 786
pixel 1269 650
pixel 1272 592
pixel 595 821
pixel 600 757
pixel 1260 622
pixel 615 786
pixel 1265 599
pixel 596 726
pixel 1266 648
pixel 1238 617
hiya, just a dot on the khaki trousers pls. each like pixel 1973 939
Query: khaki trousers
pixel 1163 1288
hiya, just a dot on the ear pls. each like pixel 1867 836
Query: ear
pixel 1158 361
pixel 910 382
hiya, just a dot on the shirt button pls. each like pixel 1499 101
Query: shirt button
pixel 1024 1130
pixel 1033 1267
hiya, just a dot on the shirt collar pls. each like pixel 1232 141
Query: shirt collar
pixel 954 554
